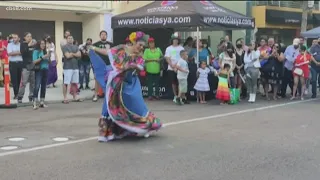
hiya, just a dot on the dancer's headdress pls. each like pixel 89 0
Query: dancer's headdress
pixel 138 36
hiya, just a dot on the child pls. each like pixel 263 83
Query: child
pixel 202 84
pixel 223 93
pixel 182 76
pixel 301 71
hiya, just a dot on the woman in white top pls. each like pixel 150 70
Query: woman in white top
pixel 251 67
pixel 52 73
pixel 228 57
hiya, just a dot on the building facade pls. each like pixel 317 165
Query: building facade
pixel 84 19
pixel 282 19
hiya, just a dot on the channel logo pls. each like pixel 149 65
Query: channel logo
pixel 167 3
pixel 206 3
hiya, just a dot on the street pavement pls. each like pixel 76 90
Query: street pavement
pixel 276 140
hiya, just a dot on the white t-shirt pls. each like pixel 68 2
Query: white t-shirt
pixel 174 53
pixel 183 65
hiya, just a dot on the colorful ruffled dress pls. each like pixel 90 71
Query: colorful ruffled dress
pixel 223 92
pixel 124 108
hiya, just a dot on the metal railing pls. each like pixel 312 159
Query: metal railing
pixel 289 4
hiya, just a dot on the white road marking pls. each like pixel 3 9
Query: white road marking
pixel 60 139
pixel 16 139
pixel 8 148
pixel 164 125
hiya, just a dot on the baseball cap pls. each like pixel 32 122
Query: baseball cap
pixel 296 41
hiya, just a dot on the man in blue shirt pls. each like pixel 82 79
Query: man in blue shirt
pixel 315 70
pixel 290 54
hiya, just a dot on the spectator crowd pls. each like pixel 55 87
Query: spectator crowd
pixel 236 68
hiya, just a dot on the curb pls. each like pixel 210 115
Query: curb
pixel 27 104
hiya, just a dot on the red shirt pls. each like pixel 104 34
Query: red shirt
pixel 300 59
pixel 3 54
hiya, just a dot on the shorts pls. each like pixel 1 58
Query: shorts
pixel 172 77
pixel 183 85
pixel 70 76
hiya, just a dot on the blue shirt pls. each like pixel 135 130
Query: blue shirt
pixel 203 54
pixel 12 48
pixel 44 64
pixel 290 54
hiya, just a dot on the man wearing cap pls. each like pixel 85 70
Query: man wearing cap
pixel 172 56
pixel 290 54
pixel 315 70
pixel 152 56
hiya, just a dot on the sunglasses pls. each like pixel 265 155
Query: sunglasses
pixel 277 47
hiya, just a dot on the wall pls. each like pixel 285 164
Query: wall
pixel 123 6
pixel 57 5
pixel 92 24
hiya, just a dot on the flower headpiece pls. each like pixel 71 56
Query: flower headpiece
pixel 151 39
pixel 127 40
pixel 138 36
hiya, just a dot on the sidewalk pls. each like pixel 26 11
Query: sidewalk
pixel 53 95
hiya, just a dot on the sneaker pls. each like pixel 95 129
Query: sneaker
pixel 19 101
pixel 43 105
pixel 81 87
pixel 30 99
pixel 87 87
pixel 313 96
pixel 185 101
pixel 95 98
pixel 35 107
pixel 175 99
pixel 179 101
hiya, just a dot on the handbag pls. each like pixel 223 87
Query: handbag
pixel 234 95
pixel 298 71
pixel 36 67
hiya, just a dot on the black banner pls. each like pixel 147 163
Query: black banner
pixel 285 17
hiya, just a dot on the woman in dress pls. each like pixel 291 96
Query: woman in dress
pixel 124 111
pixel 239 69
pixel 52 72
pixel 228 57
pixel 274 77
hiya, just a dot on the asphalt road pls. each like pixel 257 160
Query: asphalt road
pixel 262 141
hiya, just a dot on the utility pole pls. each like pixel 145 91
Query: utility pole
pixel 304 20
pixel 306 7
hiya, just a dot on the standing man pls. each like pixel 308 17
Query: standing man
pixel 270 42
pixel 71 54
pixel 290 54
pixel 315 70
pixel 172 56
pixel 84 64
pixel 28 74
pixel 15 64
pixel 3 55
pixel 102 44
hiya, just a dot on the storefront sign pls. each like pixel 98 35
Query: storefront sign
pixel 284 17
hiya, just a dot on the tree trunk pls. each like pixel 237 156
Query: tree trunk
pixel 304 20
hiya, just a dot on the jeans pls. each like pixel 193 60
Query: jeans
pixel 153 84
pixel 15 76
pixel 27 76
pixel 287 79
pixel 84 72
pixel 41 83
pixel 252 79
pixel 315 72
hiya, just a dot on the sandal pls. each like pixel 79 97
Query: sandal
pixel 77 100
pixel 65 102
